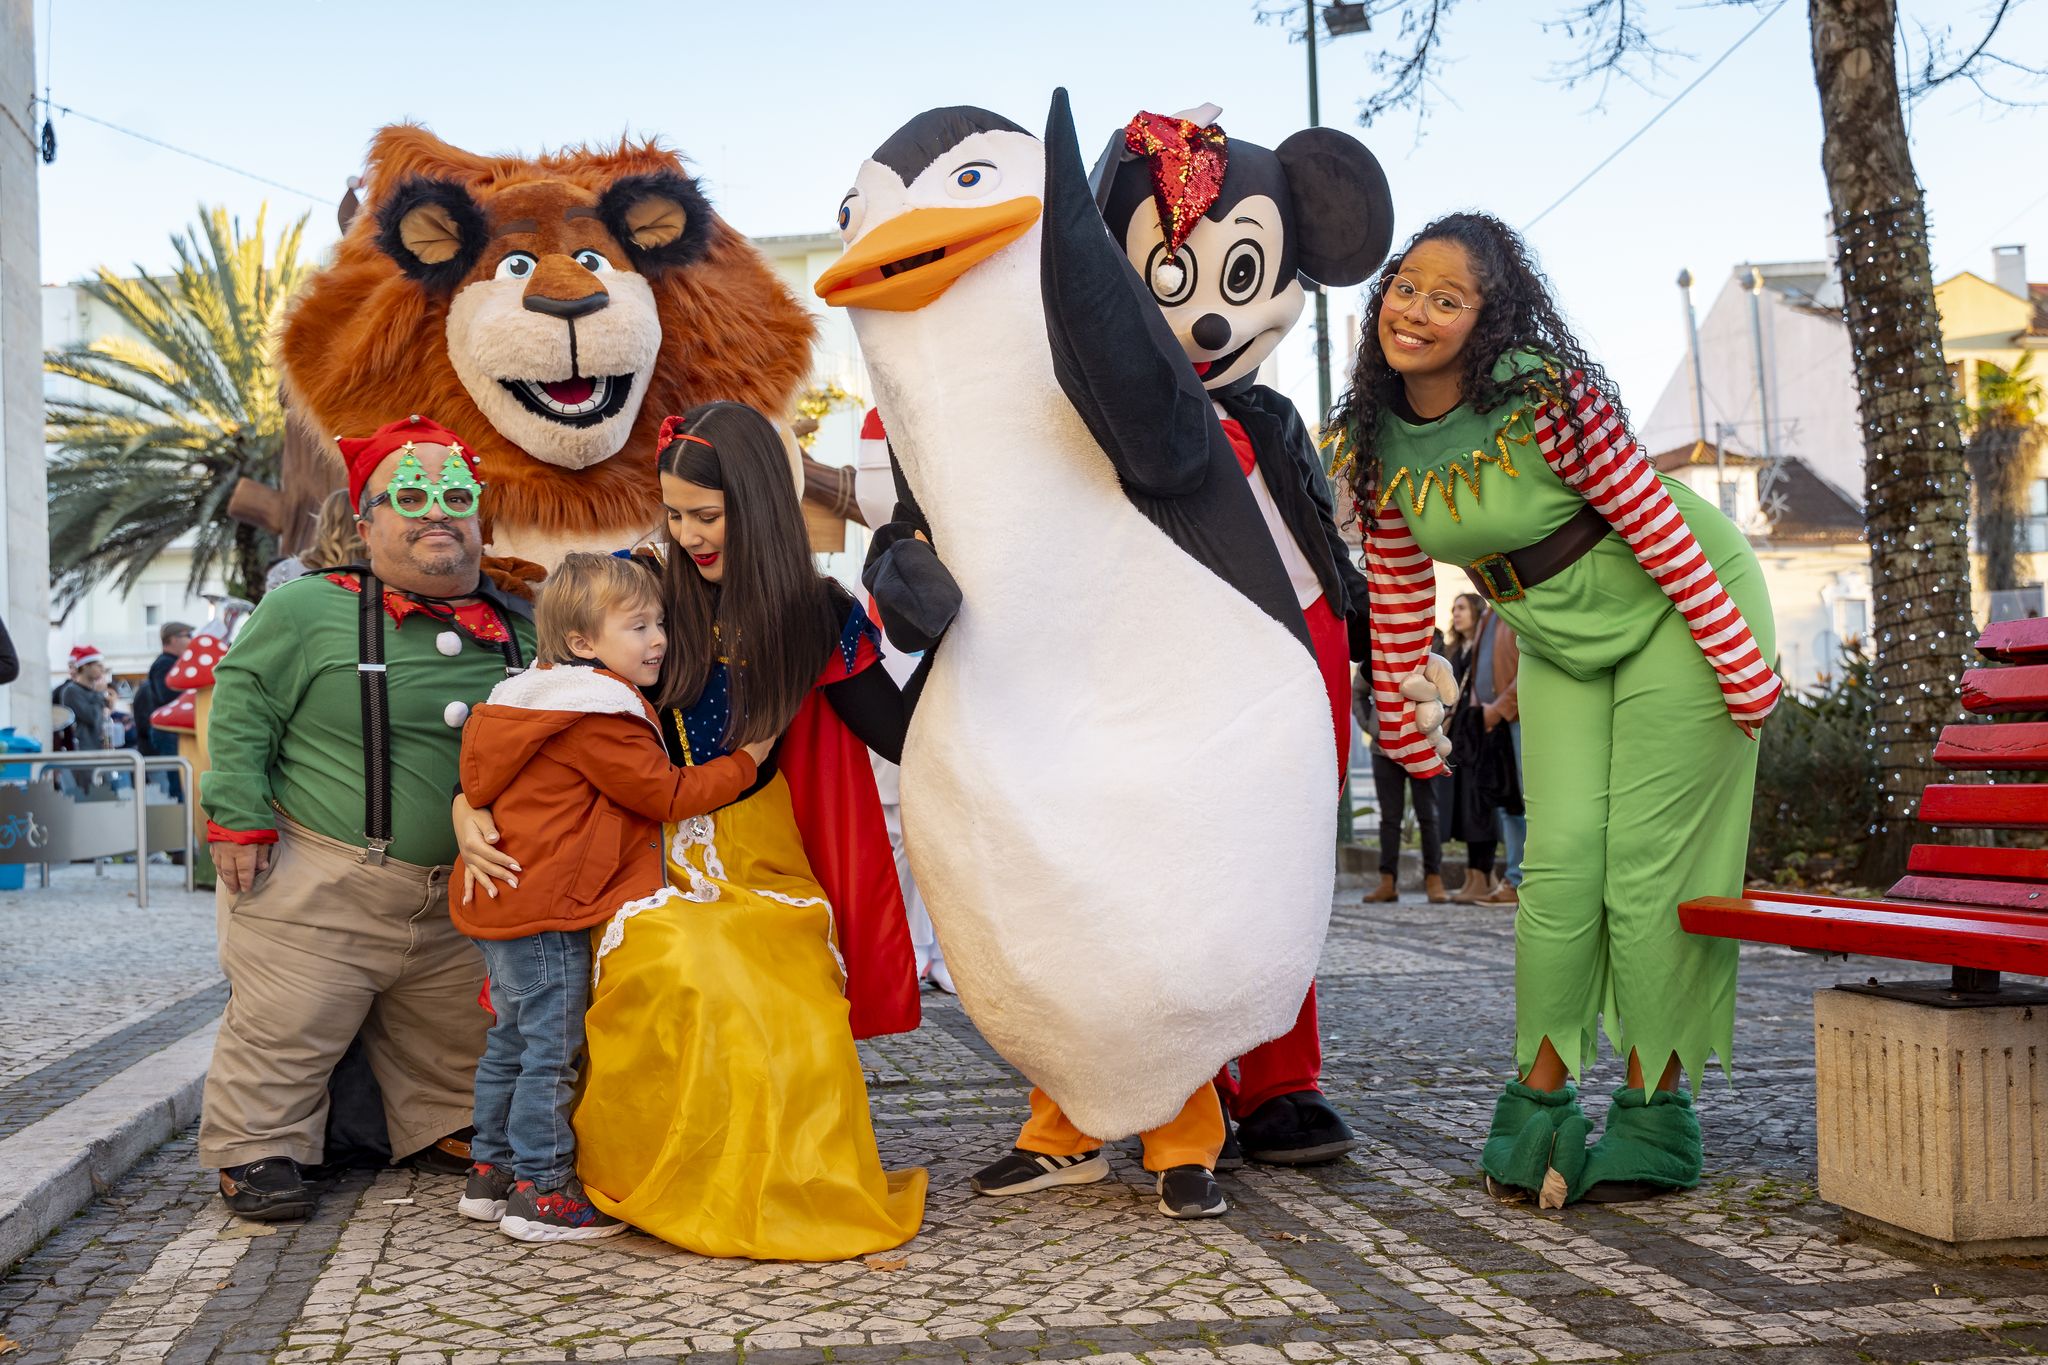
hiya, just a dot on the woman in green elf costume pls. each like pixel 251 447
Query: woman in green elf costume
pixel 1479 433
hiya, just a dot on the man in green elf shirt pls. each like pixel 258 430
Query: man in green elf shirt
pixel 337 726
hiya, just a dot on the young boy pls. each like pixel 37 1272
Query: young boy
pixel 568 758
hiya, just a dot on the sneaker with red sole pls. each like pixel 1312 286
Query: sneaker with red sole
pixel 559 1215
pixel 484 1196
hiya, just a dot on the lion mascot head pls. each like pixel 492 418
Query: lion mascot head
pixel 553 310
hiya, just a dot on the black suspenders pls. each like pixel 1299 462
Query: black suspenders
pixel 377 703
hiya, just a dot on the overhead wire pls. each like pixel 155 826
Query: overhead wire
pixel 187 152
pixel 1669 105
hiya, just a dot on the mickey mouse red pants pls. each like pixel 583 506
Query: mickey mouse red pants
pixel 1294 1061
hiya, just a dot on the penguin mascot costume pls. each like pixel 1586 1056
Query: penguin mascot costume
pixel 1120 759
pixel 1223 233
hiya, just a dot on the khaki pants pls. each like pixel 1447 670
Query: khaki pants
pixel 323 946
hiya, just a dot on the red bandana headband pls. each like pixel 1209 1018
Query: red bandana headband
pixel 364 453
pixel 1188 160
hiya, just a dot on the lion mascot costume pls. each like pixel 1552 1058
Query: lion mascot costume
pixel 553 309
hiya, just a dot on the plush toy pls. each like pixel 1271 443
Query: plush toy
pixel 1120 749
pixel 554 309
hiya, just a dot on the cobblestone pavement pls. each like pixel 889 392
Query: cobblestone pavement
pixel 90 984
pixel 1393 1255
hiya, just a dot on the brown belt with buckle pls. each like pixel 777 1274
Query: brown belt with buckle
pixel 1508 577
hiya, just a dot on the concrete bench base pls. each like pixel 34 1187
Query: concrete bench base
pixel 1932 1123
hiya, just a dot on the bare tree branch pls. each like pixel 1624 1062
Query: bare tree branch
pixel 1941 67
pixel 1615 44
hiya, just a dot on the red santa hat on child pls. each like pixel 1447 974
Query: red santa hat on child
pixel 81 655
pixel 364 453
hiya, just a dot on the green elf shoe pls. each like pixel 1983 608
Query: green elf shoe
pixel 1651 1147
pixel 1537 1144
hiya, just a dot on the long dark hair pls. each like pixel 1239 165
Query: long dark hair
pixel 1476 605
pixel 771 615
pixel 1516 312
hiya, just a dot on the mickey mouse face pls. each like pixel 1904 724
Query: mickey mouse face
pixel 1223 292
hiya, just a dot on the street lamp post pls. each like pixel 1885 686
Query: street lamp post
pixel 1340 19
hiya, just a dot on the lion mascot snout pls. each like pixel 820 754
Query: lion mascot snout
pixel 553 310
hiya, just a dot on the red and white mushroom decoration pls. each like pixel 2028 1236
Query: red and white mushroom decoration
pixel 194 668
pixel 180 713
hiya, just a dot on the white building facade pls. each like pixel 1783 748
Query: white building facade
pixel 24 524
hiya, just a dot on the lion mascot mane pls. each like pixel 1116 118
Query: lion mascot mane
pixel 553 310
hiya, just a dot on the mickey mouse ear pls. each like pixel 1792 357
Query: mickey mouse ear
pixel 1343 210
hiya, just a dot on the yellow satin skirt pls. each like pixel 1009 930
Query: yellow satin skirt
pixel 723 1107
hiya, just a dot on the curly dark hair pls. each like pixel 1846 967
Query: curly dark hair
pixel 1516 312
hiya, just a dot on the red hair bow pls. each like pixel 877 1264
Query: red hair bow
pixel 671 432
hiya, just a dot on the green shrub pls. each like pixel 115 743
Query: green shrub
pixel 1816 780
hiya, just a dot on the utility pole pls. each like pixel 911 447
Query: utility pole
pixel 1341 19
pixel 1756 333
pixel 1315 120
pixel 1692 346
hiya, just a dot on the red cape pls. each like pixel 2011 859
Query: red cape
pixel 839 818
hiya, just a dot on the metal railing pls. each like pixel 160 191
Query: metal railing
pixel 40 836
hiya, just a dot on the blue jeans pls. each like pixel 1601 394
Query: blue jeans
pixel 526 1079
pixel 1515 828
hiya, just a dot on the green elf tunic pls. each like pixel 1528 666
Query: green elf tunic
pixel 287 730
pixel 1637 662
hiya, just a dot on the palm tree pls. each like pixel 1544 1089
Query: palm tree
pixel 2005 458
pixel 170 423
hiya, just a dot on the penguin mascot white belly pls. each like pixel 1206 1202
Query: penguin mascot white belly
pixel 1116 792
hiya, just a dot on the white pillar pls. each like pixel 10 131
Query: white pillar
pixel 25 529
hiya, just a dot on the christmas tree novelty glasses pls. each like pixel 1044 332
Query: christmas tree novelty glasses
pixel 411 492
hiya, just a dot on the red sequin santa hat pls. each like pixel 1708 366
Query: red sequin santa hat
pixel 81 655
pixel 1188 160
pixel 364 453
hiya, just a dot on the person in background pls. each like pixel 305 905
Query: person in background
pixel 84 693
pixel 156 691
pixel 1491 689
pixel 1466 815
pixel 1505 709
pixel 336 543
pixel 10 662
pixel 1391 784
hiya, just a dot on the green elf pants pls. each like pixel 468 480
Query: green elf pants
pixel 1638 788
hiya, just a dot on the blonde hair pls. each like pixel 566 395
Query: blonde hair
pixel 581 591
pixel 335 539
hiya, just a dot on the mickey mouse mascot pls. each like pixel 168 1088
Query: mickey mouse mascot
pixel 1224 233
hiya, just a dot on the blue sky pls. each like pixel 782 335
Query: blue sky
pixel 778 103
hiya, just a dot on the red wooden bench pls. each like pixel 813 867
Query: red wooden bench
pixel 1980 911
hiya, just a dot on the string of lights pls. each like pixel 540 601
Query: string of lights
pixel 1917 498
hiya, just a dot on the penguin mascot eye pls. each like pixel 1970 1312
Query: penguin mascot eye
pixel 974 180
pixel 850 214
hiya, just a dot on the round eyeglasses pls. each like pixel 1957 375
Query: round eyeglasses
pixel 1439 305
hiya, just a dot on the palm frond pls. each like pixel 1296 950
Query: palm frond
pixel 171 420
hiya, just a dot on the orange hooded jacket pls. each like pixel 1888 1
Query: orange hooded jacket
pixel 571 763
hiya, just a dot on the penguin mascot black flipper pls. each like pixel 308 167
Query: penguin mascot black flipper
pixel 1124 372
